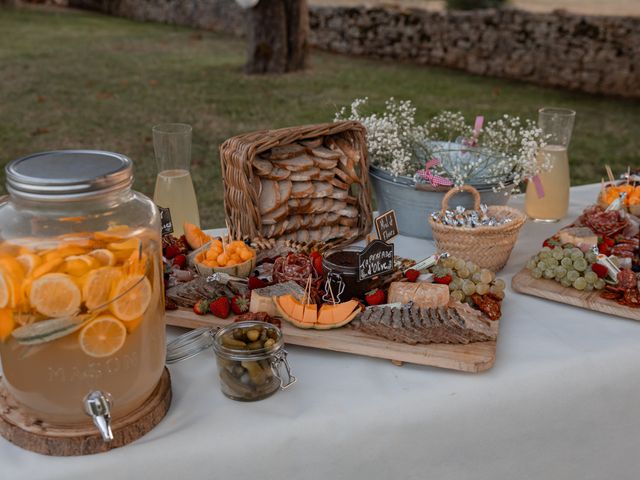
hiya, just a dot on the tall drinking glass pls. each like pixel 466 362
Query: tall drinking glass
pixel 548 201
pixel 174 187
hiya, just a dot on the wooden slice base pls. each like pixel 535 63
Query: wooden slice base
pixel 37 436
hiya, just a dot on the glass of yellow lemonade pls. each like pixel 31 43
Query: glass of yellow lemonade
pixel 549 200
pixel 174 190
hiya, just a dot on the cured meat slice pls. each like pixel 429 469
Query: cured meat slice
pixel 424 325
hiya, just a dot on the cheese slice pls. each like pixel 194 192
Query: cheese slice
pixel 422 294
pixel 262 298
pixel 578 236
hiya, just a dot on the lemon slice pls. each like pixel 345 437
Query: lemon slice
pixel 104 256
pixel 97 288
pixel 102 337
pixel 29 262
pixel 131 297
pixel 55 295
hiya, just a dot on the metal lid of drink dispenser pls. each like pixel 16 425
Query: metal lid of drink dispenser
pixel 68 174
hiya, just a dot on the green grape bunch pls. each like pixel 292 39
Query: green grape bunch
pixel 567 265
pixel 467 278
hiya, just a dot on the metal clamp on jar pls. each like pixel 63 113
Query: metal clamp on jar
pixel 249 356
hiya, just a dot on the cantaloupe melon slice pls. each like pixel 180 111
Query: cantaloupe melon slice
pixel 196 238
pixel 342 323
pixel 335 316
pixel 302 316
pixel 332 314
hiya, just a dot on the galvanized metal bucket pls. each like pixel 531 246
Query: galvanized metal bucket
pixel 413 206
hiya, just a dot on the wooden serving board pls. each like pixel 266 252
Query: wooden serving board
pixel 523 282
pixel 474 357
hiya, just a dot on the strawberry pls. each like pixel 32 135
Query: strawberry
pixel 412 274
pixel 239 304
pixel 317 265
pixel 180 260
pixel 255 282
pixel 375 297
pixel 171 251
pixel 600 270
pixel 201 307
pixel 445 280
pixel 220 307
pixel 603 248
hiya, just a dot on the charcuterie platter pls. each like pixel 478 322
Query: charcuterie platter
pixel 592 263
pixel 422 332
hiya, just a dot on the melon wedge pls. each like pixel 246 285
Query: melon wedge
pixel 334 316
pixel 308 316
pixel 302 316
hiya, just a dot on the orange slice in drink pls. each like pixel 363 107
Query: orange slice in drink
pixel 46 267
pixel 79 265
pixel 55 295
pixel 131 297
pixel 98 286
pixel 7 323
pixel 11 275
pixel 29 262
pixel 113 233
pixel 102 337
pixel 104 256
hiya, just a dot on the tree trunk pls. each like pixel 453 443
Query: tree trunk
pixel 278 36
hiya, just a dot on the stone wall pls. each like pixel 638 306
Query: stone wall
pixel 594 54
pixel 218 15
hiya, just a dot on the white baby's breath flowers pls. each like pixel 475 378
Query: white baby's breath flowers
pixel 502 153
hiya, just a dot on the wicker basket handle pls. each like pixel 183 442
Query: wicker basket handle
pixel 463 188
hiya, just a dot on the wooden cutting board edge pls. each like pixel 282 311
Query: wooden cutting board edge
pixel 471 358
pixel 523 282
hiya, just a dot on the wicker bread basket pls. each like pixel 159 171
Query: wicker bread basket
pixel 487 247
pixel 332 208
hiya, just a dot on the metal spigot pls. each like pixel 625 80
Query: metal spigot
pixel 98 406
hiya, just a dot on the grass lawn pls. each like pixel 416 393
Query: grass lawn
pixel 80 80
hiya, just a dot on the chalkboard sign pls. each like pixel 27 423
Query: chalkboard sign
pixel 375 259
pixel 387 226
pixel 165 220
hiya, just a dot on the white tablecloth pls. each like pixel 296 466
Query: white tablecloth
pixel 561 402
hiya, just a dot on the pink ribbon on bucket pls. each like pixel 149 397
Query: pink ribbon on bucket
pixel 477 128
pixel 429 176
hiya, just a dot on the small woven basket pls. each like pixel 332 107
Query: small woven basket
pixel 487 247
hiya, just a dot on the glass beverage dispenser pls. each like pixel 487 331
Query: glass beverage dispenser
pixel 82 331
